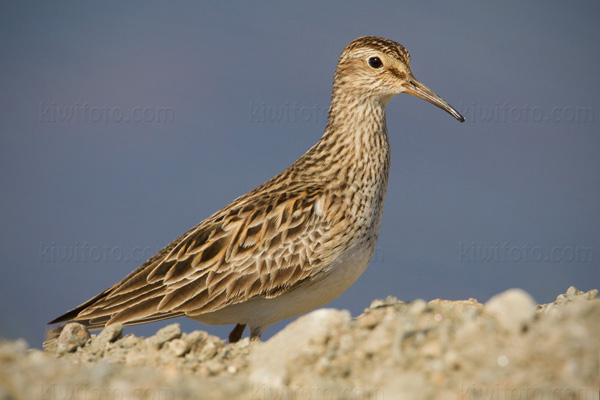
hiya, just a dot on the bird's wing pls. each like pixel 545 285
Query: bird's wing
pixel 261 245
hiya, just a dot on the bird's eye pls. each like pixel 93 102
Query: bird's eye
pixel 375 62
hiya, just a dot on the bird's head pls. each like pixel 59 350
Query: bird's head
pixel 380 68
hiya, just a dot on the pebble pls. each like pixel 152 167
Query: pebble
pixel 368 321
pixel 108 335
pixel 232 369
pixel 388 301
pixel 195 339
pixel 209 351
pixel 179 347
pixel 514 309
pixel 128 341
pixel 418 306
pixel 9 350
pixel 168 333
pixel 304 334
pixel 135 358
pixel 72 336
pixel 503 361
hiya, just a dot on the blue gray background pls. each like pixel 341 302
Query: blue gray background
pixel 124 124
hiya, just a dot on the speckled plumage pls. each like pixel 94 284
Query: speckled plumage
pixel 297 241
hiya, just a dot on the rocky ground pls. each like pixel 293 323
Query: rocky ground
pixel 507 348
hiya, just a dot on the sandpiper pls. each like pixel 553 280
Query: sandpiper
pixel 294 243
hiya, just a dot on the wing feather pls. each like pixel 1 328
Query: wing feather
pixel 261 245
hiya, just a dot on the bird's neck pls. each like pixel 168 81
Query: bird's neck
pixel 356 136
pixel 352 159
pixel 356 123
pixel 354 150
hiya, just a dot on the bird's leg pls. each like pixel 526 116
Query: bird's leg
pixel 236 333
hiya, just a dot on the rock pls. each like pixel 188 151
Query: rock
pixel 209 350
pixel 135 358
pixel 178 347
pixel 167 333
pixel 72 336
pixel 418 306
pixel 388 301
pixel 368 320
pixel 195 339
pixel 108 335
pixel 295 339
pixel 232 369
pixel 128 341
pixel 514 309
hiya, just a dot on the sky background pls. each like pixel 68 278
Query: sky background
pixel 123 124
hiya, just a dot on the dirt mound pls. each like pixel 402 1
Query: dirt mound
pixel 507 348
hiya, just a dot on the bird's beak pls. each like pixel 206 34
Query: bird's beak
pixel 417 89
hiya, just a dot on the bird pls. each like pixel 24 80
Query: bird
pixel 297 241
